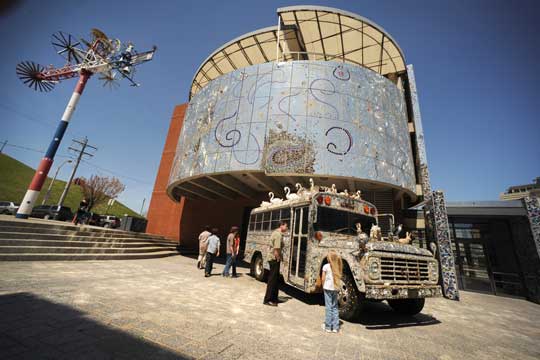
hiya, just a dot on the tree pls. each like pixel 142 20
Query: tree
pixel 97 189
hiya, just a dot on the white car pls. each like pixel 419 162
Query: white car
pixel 8 207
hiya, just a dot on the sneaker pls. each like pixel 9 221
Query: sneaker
pixel 270 303
pixel 323 326
pixel 335 330
pixel 206 275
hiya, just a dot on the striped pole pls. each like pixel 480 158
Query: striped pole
pixel 45 164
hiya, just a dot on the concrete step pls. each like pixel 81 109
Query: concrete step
pixel 75 230
pixel 73 257
pixel 76 237
pixel 80 243
pixel 80 250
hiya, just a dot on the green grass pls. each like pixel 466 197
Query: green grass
pixel 16 176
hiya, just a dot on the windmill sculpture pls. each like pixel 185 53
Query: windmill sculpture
pixel 109 58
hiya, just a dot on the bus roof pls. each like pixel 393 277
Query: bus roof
pixel 327 199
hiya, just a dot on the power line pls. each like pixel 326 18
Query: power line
pixel 117 174
pixel 86 162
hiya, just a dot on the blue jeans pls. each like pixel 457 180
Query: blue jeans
pixel 331 319
pixel 228 264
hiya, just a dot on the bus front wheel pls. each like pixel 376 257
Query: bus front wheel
pixel 349 299
pixel 257 268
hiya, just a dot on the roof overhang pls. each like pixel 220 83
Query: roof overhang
pixel 307 33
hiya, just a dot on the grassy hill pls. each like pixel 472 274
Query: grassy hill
pixel 16 176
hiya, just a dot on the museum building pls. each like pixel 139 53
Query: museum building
pixel 324 94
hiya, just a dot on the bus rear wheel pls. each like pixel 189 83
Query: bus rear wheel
pixel 407 306
pixel 349 299
pixel 257 268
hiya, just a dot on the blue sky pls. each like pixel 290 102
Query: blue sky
pixel 475 65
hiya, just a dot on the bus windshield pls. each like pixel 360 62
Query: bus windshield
pixel 343 222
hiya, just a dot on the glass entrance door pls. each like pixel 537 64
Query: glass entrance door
pixel 298 247
pixel 472 262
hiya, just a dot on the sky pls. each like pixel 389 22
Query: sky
pixel 474 63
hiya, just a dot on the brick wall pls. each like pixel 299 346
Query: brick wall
pixel 164 214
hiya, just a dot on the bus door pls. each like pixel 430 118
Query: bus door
pixel 298 246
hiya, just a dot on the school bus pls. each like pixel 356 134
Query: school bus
pixel 374 268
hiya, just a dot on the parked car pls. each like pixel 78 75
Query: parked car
pixel 8 207
pixel 109 221
pixel 52 212
pixel 93 219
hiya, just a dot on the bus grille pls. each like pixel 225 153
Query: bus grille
pixel 397 269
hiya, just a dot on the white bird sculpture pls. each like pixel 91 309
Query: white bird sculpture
pixel 274 200
pixel 288 194
pixel 333 189
pixel 344 192
pixel 313 188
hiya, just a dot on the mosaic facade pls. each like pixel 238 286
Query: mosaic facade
pixel 300 117
pixel 532 205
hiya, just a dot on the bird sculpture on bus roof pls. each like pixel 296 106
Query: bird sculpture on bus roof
pixel 274 200
pixel 288 194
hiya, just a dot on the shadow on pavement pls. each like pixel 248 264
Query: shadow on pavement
pixel 35 328
pixel 378 316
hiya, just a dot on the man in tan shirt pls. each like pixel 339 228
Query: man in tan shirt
pixel 274 259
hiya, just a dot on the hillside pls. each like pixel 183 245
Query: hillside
pixel 16 176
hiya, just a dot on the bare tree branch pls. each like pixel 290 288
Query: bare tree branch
pixel 98 189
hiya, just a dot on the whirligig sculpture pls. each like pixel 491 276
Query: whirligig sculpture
pixel 110 58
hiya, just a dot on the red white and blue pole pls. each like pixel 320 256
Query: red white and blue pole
pixel 45 164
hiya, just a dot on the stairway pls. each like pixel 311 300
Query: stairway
pixel 41 240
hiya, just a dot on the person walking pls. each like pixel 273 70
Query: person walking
pixel 236 250
pixel 331 277
pixel 274 259
pixel 81 212
pixel 230 252
pixel 212 251
pixel 203 243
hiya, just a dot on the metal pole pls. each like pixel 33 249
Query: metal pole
pixel 45 164
pixel 46 197
pixel 68 184
pixel 142 207
pixel 3 146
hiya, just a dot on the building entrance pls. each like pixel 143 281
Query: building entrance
pixel 484 257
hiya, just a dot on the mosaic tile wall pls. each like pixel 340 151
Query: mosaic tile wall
pixel 302 117
pixel 532 205
pixel 435 208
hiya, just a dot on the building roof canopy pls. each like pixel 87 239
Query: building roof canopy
pixel 307 33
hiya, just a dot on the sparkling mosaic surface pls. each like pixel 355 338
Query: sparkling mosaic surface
pixel 302 117
pixel 532 204
pixel 446 257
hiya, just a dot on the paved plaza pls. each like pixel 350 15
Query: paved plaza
pixel 166 309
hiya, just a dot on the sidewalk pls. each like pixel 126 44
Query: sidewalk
pixel 166 309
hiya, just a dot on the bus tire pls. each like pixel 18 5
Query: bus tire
pixel 257 267
pixel 349 298
pixel 407 306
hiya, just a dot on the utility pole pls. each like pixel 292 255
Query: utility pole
pixel 3 146
pixel 81 152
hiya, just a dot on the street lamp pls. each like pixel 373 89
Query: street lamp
pixel 46 197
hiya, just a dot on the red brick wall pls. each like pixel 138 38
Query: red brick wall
pixel 164 214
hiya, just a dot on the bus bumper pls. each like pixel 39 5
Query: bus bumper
pixel 383 292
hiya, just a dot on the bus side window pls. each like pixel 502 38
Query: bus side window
pixel 252 222
pixel 258 222
pixel 275 219
pixel 286 215
pixel 266 221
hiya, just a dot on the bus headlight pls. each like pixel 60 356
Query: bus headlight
pixel 433 269
pixel 374 268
